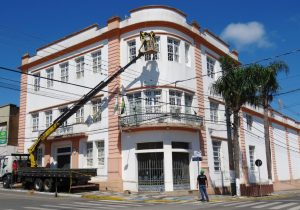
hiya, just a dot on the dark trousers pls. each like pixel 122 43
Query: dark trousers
pixel 203 192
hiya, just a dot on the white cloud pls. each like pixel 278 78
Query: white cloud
pixel 243 35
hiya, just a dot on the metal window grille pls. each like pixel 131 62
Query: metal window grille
pixel 64 70
pixel 49 73
pixel 181 175
pixel 210 67
pixel 175 101
pixel 96 62
pixel 251 157
pixel 79 67
pixel 217 155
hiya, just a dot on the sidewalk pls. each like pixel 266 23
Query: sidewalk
pixel 166 197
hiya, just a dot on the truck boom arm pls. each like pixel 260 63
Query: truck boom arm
pixel 149 46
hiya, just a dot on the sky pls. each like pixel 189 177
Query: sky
pixel 257 29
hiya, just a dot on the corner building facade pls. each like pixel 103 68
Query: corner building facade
pixel 142 130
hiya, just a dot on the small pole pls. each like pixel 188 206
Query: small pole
pixel 259 182
pixel 56 187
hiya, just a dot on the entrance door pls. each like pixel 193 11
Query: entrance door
pixel 151 171
pixel 63 161
pixel 181 172
pixel 63 157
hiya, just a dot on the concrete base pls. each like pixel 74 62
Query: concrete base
pixel 112 185
pixel 286 185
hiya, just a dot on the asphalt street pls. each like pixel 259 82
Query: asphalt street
pixel 12 200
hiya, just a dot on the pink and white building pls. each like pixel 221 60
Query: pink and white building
pixel 169 114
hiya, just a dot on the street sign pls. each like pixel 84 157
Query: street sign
pixel 196 158
pixel 197 153
pixel 258 162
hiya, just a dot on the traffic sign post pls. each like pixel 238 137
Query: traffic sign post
pixel 197 157
pixel 258 163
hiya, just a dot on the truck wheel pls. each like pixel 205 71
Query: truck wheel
pixel 7 181
pixel 48 185
pixel 38 184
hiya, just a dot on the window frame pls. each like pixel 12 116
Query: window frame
pixel 175 101
pixel 97 61
pixel 50 76
pixel 64 72
pixel 153 100
pixel 252 157
pixel 79 115
pixel 37 81
pixel 249 121
pixel 173 49
pixel 48 118
pixel 214 111
pixel 100 153
pixel 210 66
pixel 216 144
pixel 79 67
pixel 131 44
pixel 35 121
pixel 89 154
pixel 187 52
pixel 97 110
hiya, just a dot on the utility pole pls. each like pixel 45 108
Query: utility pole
pixel 230 150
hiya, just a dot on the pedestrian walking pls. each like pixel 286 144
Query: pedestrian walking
pixel 202 184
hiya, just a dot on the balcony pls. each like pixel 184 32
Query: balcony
pixel 64 130
pixel 144 119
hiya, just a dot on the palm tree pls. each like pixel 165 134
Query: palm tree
pixel 236 86
pixel 268 85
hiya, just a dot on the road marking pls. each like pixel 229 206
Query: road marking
pixel 295 208
pixel 249 204
pixel 236 203
pixel 35 208
pixel 89 206
pixel 75 207
pixel 283 206
pixel 266 205
pixel 114 204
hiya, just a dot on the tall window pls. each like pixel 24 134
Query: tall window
pixel 132 49
pixel 188 99
pixel 155 56
pixel 249 121
pixel 101 154
pixel 96 61
pixel 89 154
pixel 35 122
pixel 187 53
pixel 49 73
pixel 79 67
pixel 135 102
pixel 210 67
pixel 39 157
pixel 251 157
pixel 96 110
pixel 214 111
pixel 64 72
pixel 175 101
pixel 152 101
pixel 173 50
pixel 79 115
pixel 48 118
pixel 217 155
pixel 61 111
pixel 37 82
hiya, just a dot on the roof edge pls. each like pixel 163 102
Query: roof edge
pixel 158 6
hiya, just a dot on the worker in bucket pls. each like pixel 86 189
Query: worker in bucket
pixel 202 184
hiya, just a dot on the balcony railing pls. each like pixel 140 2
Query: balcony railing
pixel 154 118
pixel 61 131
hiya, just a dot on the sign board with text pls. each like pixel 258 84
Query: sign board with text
pixel 3 135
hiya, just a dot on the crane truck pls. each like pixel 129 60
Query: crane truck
pixel 22 168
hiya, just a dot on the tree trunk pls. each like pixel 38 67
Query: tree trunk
pixel 236 146
pixel 267 140
pixel 230 149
